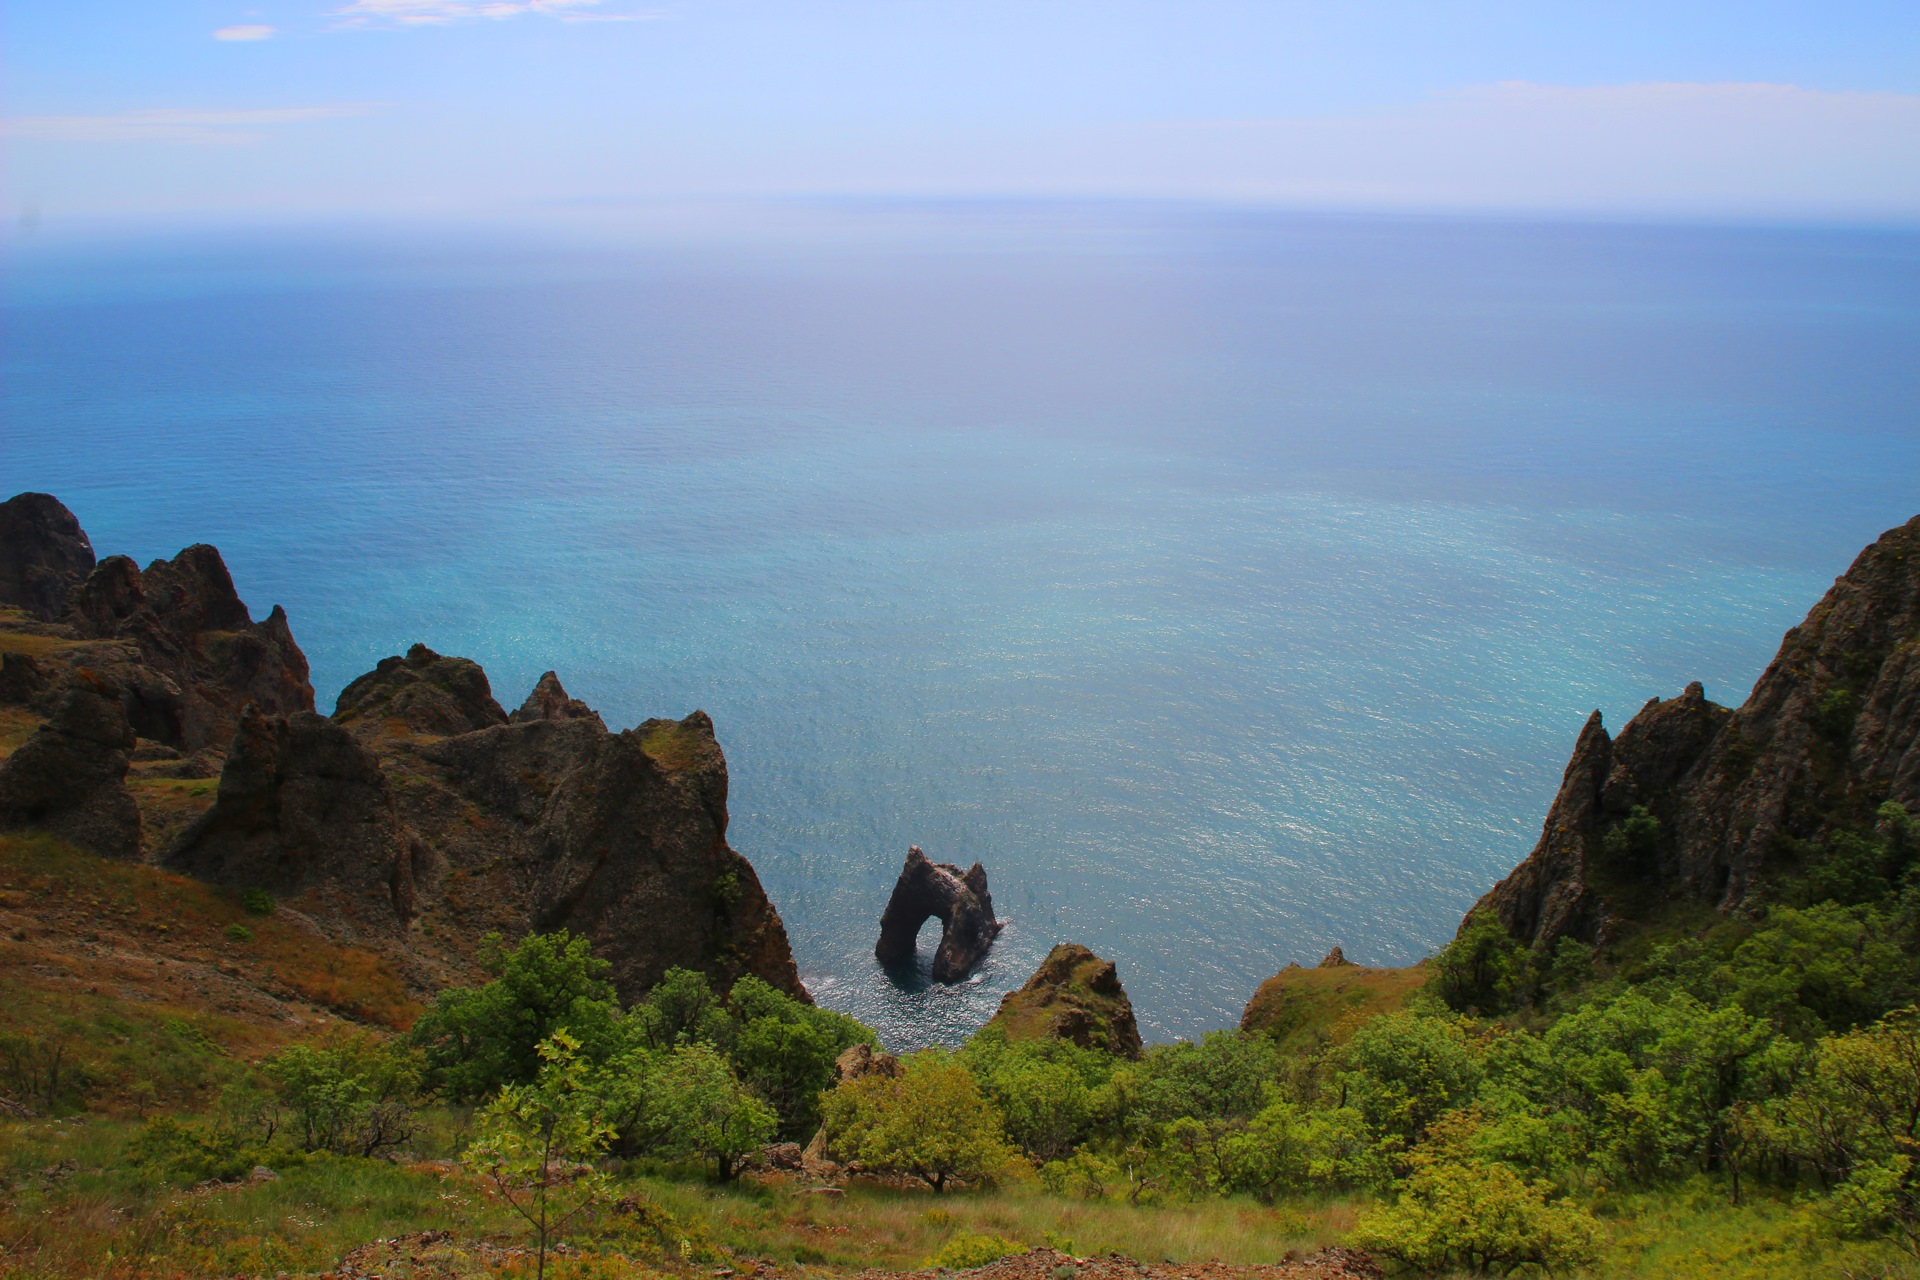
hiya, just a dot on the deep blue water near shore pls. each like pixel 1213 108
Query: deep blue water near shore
pixel 1233 585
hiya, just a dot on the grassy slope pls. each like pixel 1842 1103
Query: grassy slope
pixel 1306 1009
pixel 136 970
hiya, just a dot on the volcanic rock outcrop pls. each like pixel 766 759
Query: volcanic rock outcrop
pixel 188 657
pixel 927 889
pixel 1831 731
pixel 1074 995
pixel 44 554
pixel 413 821
pixel 68 779
pixel 303 807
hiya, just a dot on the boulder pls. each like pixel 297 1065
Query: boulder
pixel 1074 995
pixel 69 778
pixel 927 889
pixel 44 554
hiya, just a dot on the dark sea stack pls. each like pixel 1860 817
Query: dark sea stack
pixel 422 693
pixel 927 889
pixel 1074 995
pixel 303 806
pixel 549 701
pixel 69 778
pixel 1831 731
pixel 44 554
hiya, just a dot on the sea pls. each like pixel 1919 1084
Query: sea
pixel 1231 583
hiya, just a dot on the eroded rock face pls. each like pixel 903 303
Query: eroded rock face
pixel 69 778
pixel 303 806
pixel 422 692
pixel 44 554
pixel 1831 731
pixel 196 658
pixel 927 889
pixel 1073 995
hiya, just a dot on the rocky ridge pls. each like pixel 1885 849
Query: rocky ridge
pixel 1830 732
pixel 416 818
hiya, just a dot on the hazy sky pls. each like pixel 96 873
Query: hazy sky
pixel 1750 108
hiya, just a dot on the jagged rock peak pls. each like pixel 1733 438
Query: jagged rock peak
pixel 1831 731
pixel 1073 995
pixel 44 554
pixel 69 778
pixel 549 701
pixel 424 692
pixel 1336 959
pixel 927 889
pixel 201 659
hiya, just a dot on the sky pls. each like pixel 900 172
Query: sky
pixel 1756 109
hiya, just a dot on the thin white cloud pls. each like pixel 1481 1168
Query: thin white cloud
pixel 204 128
pixel 245 31
pixel 433 13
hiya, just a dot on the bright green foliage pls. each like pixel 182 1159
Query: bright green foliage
pixel 477 1039
pixel 1481 1218
pixel 1223 1077
pixel 1045 1089
pixel 257 902
pixel 784 1050
pixel 930 1122
pixel 350 1094
pixel 1403 1070
pixel 1459 1211
pixel 965 1252
pixel 1827 968
pixel 697 1106
pixel 538 1141
pixel 681 1009
pixel 1289 1148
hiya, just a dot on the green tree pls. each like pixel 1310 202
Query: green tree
pixel 929 1122
pixel 349 1094
pixel 537 1142
pixel 697 1106
pixel 785 1050
pixel 1483 970
pixel 1458 1211
pixel 1403 1070
pixel 477 1039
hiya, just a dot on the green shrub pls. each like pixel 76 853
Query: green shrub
pixel 964 1252
pixel 257 902
pixel 238 933
pixel 1481 1218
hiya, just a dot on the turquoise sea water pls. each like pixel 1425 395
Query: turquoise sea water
pixel 1232 585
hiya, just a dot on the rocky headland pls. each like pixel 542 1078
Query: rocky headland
pixel 1830 733
pixel 413 821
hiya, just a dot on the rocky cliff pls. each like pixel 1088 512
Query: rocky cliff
pixel 414 820
pixel 1694 802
